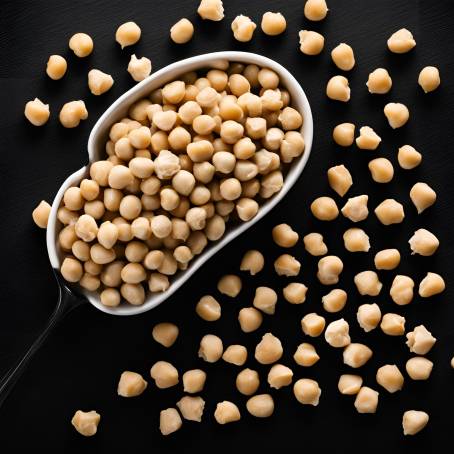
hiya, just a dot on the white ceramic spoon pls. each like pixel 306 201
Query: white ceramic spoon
pixel 70 298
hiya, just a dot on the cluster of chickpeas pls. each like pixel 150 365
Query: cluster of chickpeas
pixel 195 154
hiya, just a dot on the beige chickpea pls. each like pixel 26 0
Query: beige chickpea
pixel 271 101
pixel 81 44
pixel 211 348
pixel 169 199
pixel 431 285
pixel 86 423
pixel 139 68
pixel 329 269
pixel 164 374
pixel 422 196
pixel 408 157
pixel 166 165
pixel 393 324
pixel 86 228
pixel 235 354
pixel 204 124
pixel 256 127
pixel 179 138
pixel 274 138
pixel 203 173
pixel 99 82
pixel 368 139
pixel 131 384
pixel 367 283
pixel 194 381
pixel 253 261
pixel 211 10
pixel 247 382
pixel 251 74
pixel 368 316
pixel 390 212
pixel 429 79
pixel 311 43
pixel 152 260
pixel 208 309
pixel 67 237
pixel 382 170
pixel 130 207
pixel 111 274
pixel 158 282
pixel 356 240
pixel 295 293
pixel 287 265
pixel 127 34
pixel 306 355
pixel 335 300
pixel 81 250
pixel 420 340
pixel 191 408
pixel 41 213
pixel 413 421
pixel 218 79
pixel 265 299
pixel 230 285
pixel 356 355
pixel 165 121
pixel 200 151
pixel 238 85
pixel 313 324
pixel 99 254
pixel 379 81
pixel 324 209
pixel 344 134
pixel 290 118
pixel 260 406
pixel 243 28
pixel 226 412
pixel 337 333
pixel 89 189
pixel 314 244
pixel 196 218
pixel 401 41
pixel 56 67
pixel 419 368
pixel 183 254
pixel 423 243
pixel 349 384
pixel 340 179
pixel 284 235
pixel 397 114
pixel 279 376
pixel 182 31
pixel 71 269
pixel 36 112
pixel 136 251
pixel 387 259
pixel 251 188
pixel 307 391
pixel 123 149
pixel 273 23
pixel 390 377
pixel 246 170
pixel 189 111
pixel 343 57
pixel 268 79
pixel 66 216
pixel 197 242
pixel 250 319
pixel 183 182
pixel 107 234
pixel 366 400
pixel 120 177
pixel 269 349
pixel 72 113
pixel 338 89
pixel 110 297
pixel 169 421
pixel 230 189
pixel 315 10
pixel 243 149
pixel 165 334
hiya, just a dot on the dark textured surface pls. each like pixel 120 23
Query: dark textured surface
pixel 79 365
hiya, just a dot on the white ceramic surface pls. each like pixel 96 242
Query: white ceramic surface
pixel 119 109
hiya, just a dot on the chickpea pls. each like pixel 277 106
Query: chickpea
pixel 295 293
pixel 279 376
pixel 111 274
pixel 286 265
pixel 368 139
pixel 127 34
pixel 265 299
pixel 250 319
pixel 226 412
pixel 290 118
pixel 366 400
pixel 382 170
pixel 387 259
pixel 133 293
pixel 413 421
pixel 67 237
pixel 99 82
pixel 36 112
pixel 164 374
pixel 419 368
pixel 393 324
pixel 268 350
pixel 273 23
pixel 81 44
pixel 72 113
pixel 306 355
pixel 311 43
pixel 356 240
pixel 89 282
pixel 139 68
pixel 182 31
pixel 71 269
pixel 401 41
pixel 86 228
pixel 253 261
pixel 166 165
pixel 420 340
pixel 41 214
pixel 110 297
pixel 164 120
pixel 194 381
pixel 191 408
pixel 344 134
pixel 235 354
pixel 89 189
pixel 230 285
pixel 272 101
pixel 211 10
pixel 256 127
pixel 56 67
pixel 247 382
pixel 429 79
pixel 260 406
pixel 66 216
pixel 422 196
pixel 337 333
pixel 315 10
pixel 169 421
pixel 324 209
pixel 189 111
pixel 107 234
pixel 397 114
pixel 99 172
pixel 243 28
pixel 390 377
pixel 313 324
pixel 368 316
pixel 390 212
pixel 338 89
pixel 343 57
pixel 329 269
pixel 271 183
pixel 211 348
pixel 165 333
pixel 356 355
pixel 81 250
pixel 284 235
pixel 208 309
pixel 314 244
pixel 158 282
pixel 379 81
pixel 349 384
pixel 307 391
pixel 408 157
pixel 367 283
pixel 423 243
pixel 431 285
pixel 335 300
pixel 339 179
pixel 243 149
pixel 86 423
pixel 131 384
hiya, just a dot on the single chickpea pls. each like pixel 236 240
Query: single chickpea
pixel 253 261
pixel 344 134
pixel 71 269
pixel 339 179
pixel 235 354
pixel 429 79
pixel 343 57
pixel 307 391
pixel 211 348
pixel 379 81
pixel 397 114
pixel 110 297
pixel 166 165
pixel 182 31
pixel 329 269
pixel 131 384
pixel 268 350
pixel 191 408
pixel 366 400
pixel 313 324
pixel 324 209
pixel 36 112
pixel 164 374
pixel 238 85
pixel 99 82
pixel 72 113
pixel 230 285
pixel 387 259
pixel 279 376
pixel 139 68
pixel 390 212
pixel 314 244
pixel 423 243
pixel 286 265
pixel 56 67
pixel 393 324
pixel 211 10
pixel 349 384
pixel 367 283
pixel 208 309
pixel 335 300
pixel 284 235
pixel 413 421
pixel 158 282
pixel 165 334
pixel 315 10
pixel 251 74
pixel 194 381
pixel 247 382
pixel 265 299
pixel 256 128
pixel 86 228
pixel 390 377
pixel 169 421
pixel 290 118
pixel 250 319
pixel 133 293
pixel 243 28
pixel 420 340
pixel 203 173
pixel 422 196
pixel 111 274
pixel 295 293
pixel 81 250
pixel 230 189
pixel 243 149
pixel 89 282
pixel 408 157
pixel 81 44
pixel 107 234
pixel 99 254
pixel 67 237
pixel 431 285
pixel 89 189
pixel 306 355
pixel 356 355
pixel 368 316
pixel 86 423
pixel 99 171
pixel 337 333
pixel 338 89
pixel 381 169
pixel 272 101
pixel 419 368
pixel 368 139
pixel 260 406
pixel 66 216
pixel 273 23
pixel 226 412
pixel 356 240
pixel 401 41
pixel 189 111
pixel 311 43
pixel 128 34
pixel 41 214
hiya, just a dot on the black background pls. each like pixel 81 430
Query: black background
pixel 80 364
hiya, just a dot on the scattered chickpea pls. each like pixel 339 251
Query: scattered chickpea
pixel 338 89
pixel 311 43
pixel 337 333
pixel 273 23
pixel 247 382
pixel 367 283
pixel 128 34
pixel 41 214
pixel 315 10
pixel 356 208
pixel 211 348
pixel 335 300
pixel 250 319
pixel 324 209
pixel 397 114
pixel 313 324
pixel 390 212
pixel 431 285
pixel 208 309
pixel 307 391
pixel 265 299
pixel 343 57
pixel 169 421
pixel 56 67
pixel 368 316
pixel 356 355
pixel 429 79
pixel 366 400
pixel 329 269
pixel 165 334
pixel 393 324
pixel 284 235
pixel 164 374
pixel 279 376
pixel 419 368
pixel 36 112
pixel 349 384
pixel 72 113
pixel 387 259
pixel 269 349
pixel 401 41
pixel 413 421
pixel 295 293
pixel 422 196
pixel 368 139
pixel 356 240
pixel 260 406
pixel 401 291
pixel 423 243
pixel 230 285
pixel 381 169
pixel 390 377
pixel 420 340
pixel 243 28
pixel 253 261
pixel 131 384
pixel 81 44
pixel 379 81
pixel 235 354
pixel 191 408
pixel 211 10
pixel 408 157
pixel 86 423
pixel 339 179
pixel 226 412
pixel 286 265
pixel 194 381
pixel 344 134
pixel 139 68
pixel 182 31
pixel 306 355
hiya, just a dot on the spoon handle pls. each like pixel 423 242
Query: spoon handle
pixel 66 302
